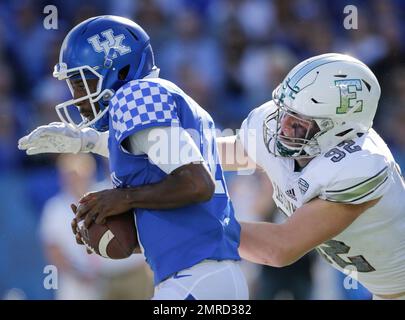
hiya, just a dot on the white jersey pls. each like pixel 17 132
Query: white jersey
pixel 354 172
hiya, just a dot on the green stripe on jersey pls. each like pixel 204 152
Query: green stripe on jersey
pixel 359 190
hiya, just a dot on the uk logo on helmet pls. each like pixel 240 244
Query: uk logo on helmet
pixel 111 41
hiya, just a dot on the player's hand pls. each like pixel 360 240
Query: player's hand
pixel 97 206
pixel 58 137
pixel 75 229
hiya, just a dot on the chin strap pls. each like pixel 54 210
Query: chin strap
pixel 284 151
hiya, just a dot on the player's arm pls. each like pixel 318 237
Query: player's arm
pixel 312 224
pixel 232 154
pixel 188 179
pixel 240 152
pixel 189 184
pixel 58 137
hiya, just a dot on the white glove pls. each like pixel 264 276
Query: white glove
pixel 58 137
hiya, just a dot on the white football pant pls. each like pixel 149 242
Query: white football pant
pixel 207 280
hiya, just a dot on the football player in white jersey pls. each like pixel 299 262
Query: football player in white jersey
pixel 333 175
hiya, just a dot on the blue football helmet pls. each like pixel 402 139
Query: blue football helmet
pixel 114 50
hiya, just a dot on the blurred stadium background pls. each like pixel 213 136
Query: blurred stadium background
pixel 228 55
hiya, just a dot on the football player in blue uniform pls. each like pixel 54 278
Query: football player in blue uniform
pixel 162 154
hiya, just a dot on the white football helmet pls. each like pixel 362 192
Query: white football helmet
pixel 337 93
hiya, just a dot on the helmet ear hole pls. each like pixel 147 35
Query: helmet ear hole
pixel 123 73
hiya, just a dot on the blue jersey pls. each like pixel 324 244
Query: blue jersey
pixel 175 239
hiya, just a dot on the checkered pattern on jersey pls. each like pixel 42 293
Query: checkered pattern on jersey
pixel 140 104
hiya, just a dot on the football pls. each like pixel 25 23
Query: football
pixel 116 239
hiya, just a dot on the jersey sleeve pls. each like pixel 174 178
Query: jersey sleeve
pixel 167 147
pixel 362 179
pixel 139 105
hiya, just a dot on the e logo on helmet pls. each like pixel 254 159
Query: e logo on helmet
pixel 348 95
pixel 110 42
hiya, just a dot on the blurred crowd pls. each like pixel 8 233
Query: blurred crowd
pixel 227 54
